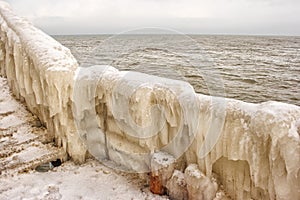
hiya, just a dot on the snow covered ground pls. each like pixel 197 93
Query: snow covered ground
pixel 23 146
pixel 91 180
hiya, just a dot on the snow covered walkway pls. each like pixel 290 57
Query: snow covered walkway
pixel 23 140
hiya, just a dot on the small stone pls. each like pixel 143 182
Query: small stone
pixel 38 123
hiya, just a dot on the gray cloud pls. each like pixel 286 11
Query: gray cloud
pixel 193 16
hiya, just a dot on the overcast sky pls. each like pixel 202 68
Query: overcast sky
pixel 267 17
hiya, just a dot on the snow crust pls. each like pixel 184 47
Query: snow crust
pixel 127 116
pixel 90 180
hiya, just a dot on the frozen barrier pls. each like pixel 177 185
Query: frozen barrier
pixel 40 71
pixel 252 149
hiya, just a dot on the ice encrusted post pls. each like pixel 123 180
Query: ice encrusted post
pixel 162 168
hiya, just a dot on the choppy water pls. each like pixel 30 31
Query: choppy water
pixel 252 68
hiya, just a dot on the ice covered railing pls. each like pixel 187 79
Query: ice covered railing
pixel 40 72
pixel 257 154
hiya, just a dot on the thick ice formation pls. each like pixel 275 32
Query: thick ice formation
pixel 199 186
pixel 177 186
pixel 126 117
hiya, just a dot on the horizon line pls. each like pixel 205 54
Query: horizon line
pixel 194 34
